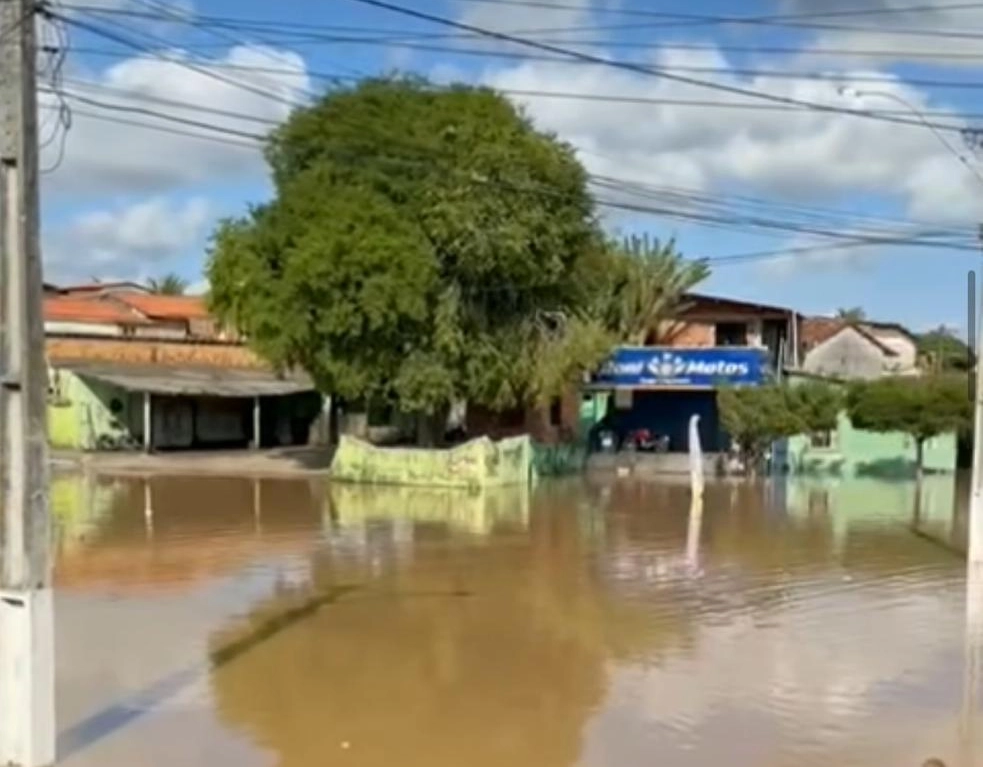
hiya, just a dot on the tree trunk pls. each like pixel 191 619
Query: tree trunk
pixel 919 463
pixel 334 415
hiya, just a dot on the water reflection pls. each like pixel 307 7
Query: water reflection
pixel 278 622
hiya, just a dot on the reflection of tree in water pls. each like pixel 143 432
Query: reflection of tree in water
pixel 469 653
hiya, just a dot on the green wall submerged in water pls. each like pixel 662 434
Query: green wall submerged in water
pixel 475 464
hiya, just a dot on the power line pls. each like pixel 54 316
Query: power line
pixel 635 188
pixel 757 50
pixel 846 241
pixel 161 116
pixel 667 19
pixel 742 222
pixel 775 74
pixel 336 78
pixel 788 20
pixel 95 30
pixel 646 70
pixel 254 145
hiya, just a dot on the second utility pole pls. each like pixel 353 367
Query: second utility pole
pixel 27 711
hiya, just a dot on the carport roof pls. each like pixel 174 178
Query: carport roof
pixel 190 381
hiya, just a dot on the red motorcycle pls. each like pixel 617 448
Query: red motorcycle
pixel 645 441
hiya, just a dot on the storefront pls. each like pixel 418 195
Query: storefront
pixel 656 390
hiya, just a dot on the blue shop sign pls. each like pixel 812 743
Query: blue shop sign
pixel 661 366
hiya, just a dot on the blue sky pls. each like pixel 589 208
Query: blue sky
pixel 127 201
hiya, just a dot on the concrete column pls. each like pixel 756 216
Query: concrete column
pixel 148 442
pixel 257 424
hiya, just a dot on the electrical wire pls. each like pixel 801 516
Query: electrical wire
pixel 308 33
pixel 339 79
pixel 704 218
pixel 832 77
pixel 790 20
pixel 635 188
pixel 194 67
pixel 253 145
pixel 916 240
pixel 741 222
pixel 645 70
pixel 671 20
pixel 53 72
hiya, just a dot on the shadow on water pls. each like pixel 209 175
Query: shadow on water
pixel 800 623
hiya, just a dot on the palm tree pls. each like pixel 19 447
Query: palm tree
pixel 169 285
pixel 649 281
pixel 853 314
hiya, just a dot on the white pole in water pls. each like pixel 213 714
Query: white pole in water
pixel 27 703
pixel 695 458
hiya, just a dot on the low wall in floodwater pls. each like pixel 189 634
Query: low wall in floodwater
pixel 475 464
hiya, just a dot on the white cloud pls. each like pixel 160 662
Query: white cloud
pixel 132 242
pixel 105 156
pixel 807 155
pixel 895 30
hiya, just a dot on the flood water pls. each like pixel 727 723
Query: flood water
pixel 243 622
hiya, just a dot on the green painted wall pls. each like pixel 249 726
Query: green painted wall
pixel 475 464
pixel 80 411
pixel 854 452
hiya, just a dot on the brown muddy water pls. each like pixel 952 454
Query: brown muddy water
pixel 242 622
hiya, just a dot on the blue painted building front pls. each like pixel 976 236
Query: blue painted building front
pixel 658 389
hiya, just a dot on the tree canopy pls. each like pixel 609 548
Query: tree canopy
pixel 755 417
pixel 168 285
pixel 644 285
pixel 851 314
pixel 425 245
pixel 943 350
pixel 921 406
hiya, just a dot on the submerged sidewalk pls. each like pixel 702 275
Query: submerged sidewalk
pixel 290 461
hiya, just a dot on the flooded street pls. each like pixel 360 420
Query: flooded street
pixel 275 622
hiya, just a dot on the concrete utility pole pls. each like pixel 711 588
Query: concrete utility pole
pixel 27 711
pixel 975 557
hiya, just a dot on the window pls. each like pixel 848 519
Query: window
pixel 731 334
pixel 821 439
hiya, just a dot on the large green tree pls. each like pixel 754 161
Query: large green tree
pixel 922 407
pixel 422 245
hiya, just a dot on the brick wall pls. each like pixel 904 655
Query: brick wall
pixel 146 352
pixel 683 333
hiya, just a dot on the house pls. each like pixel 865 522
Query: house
pixel 856 350
pixel 711 341
pixel 128 369
pixel 704 321
pixel 839 351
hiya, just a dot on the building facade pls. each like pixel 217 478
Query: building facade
pixel 131 370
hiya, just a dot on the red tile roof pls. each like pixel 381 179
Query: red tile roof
pixel 89 310
pixel 158 307
pixel 817 330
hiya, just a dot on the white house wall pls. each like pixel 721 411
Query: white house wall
pixel 846 355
